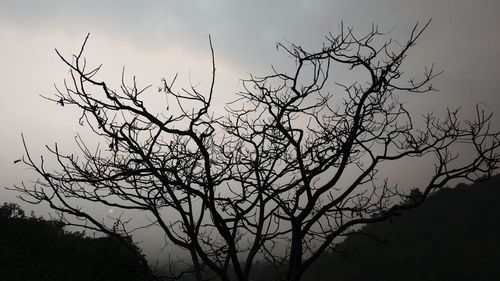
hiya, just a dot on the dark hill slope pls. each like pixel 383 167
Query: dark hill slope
pixel 36 249
pixel 454 235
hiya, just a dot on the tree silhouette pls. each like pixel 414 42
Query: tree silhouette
pixel 292 165
pixel 11 210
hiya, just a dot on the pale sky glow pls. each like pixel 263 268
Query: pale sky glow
pixel 155 39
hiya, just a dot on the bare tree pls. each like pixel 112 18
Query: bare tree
pixel 291 166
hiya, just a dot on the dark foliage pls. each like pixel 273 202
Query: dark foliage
pixel 32 248
pixel 453 236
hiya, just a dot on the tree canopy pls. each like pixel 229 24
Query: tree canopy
pixel 291 165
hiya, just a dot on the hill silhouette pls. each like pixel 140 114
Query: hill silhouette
pixel 32 248
pixel 454 235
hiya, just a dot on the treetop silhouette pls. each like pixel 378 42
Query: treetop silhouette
pixel 291 165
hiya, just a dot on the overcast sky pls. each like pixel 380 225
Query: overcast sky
pixel 155 39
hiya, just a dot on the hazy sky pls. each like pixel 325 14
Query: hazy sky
pixel 155 39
